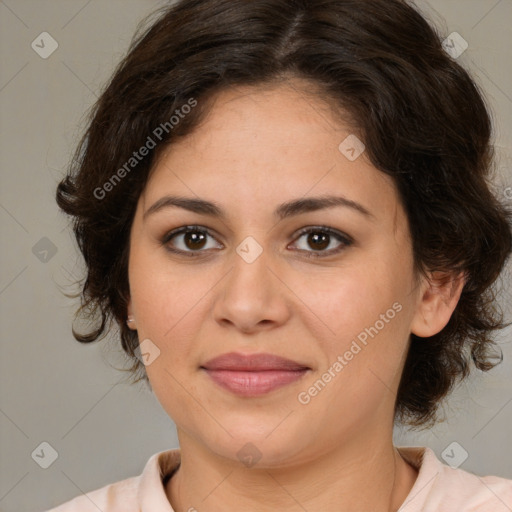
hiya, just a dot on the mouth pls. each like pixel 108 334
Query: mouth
pixel 253 375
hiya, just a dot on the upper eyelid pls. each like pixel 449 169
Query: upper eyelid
pixel 183 229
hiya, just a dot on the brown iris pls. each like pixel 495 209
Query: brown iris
pixel 194 239
pixel 320 240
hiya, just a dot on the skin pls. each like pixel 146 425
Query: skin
pixel 259 147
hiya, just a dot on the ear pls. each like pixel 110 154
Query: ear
pixel 440 293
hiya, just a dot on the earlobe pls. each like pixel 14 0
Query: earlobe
pixel 130 321
pixel 438 299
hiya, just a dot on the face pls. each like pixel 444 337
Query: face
pixel 330 287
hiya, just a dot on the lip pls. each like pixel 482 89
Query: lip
pixel 254 374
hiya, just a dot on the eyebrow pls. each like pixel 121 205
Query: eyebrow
pixel 284 210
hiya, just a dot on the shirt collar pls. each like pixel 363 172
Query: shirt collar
pixel 151 494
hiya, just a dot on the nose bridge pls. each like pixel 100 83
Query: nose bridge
pixel 251 294
pixel 249 278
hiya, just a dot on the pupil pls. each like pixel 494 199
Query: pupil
pixel 314 238
pixel 194 240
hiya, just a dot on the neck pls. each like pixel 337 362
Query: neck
pixel 360 476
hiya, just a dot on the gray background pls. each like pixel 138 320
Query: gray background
pixel 70 395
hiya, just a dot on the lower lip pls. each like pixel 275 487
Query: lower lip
pixel 254 383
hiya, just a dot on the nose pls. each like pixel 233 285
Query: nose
pixel 252 297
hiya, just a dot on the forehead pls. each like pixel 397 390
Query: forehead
pixel 259 146
pixel 287 110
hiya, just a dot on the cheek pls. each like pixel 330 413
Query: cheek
pixel 167 305
pixel 344 301
pixel 163 295
pixel 364 319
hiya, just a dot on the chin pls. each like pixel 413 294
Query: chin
pixel 259 445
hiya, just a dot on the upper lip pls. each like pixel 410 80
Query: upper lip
pixel 252 362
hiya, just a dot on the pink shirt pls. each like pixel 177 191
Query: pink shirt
pixel 438 488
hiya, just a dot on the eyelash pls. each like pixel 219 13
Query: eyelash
pixel 345 240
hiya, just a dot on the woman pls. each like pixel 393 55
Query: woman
pixel 284 206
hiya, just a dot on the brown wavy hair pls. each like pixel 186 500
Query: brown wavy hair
pixel 421 116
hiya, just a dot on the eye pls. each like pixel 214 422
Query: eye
pixel 193 240
pixel 190 240
pixel 321 237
